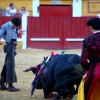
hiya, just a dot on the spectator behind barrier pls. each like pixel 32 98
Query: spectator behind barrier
pixel 23 11
pixel 7 12
pixel 1 12
pixel 13 11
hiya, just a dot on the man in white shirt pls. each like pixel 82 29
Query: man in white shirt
pixel 23 11
pixel 7 12
pixel 13 11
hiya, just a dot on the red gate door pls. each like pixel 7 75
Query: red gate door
pixel 45 32
pixel 55 10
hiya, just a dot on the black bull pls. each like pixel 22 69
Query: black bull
pixel 60 74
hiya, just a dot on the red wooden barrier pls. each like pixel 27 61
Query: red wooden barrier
pixel 68 32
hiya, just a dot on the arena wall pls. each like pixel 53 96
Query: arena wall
pixel 90 7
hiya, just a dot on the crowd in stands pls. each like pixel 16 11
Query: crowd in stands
pixel 11 11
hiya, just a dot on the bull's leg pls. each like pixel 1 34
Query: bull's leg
pixel 47 90
pixel 77 85
pixel 61 93
pixel 65 95
pixel 71 92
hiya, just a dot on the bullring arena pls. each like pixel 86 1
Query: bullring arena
pixel 26 58
pixel 52 24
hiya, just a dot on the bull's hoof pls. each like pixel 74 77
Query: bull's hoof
pixel 68 98
pixel 51 95
pixel 64 97
pixel 47 99
pixel 55 99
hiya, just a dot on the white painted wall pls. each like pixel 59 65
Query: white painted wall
pixel 77 8
pixel 35 5
pixel 98 15
pixel 24 27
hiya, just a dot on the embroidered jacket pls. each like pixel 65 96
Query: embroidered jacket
pixel 90 50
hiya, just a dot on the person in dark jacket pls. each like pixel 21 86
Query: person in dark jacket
pixel 90 59
pixel 9 33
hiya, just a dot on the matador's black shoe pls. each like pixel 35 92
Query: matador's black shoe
pixel 12 89
pixel 2 86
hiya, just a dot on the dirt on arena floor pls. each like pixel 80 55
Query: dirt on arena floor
pixel 24 59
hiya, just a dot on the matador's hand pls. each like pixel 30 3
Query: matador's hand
pixel 22 32
pixel 0 42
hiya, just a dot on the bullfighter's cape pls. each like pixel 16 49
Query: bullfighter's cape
pixel 81 89
pixel 95 94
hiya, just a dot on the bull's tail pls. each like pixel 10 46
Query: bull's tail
pixel 66 81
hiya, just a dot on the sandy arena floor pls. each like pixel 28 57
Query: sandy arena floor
pixel 25 59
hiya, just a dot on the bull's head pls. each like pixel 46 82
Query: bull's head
pixel 35 70
pixel 38 82
pixel 38 71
